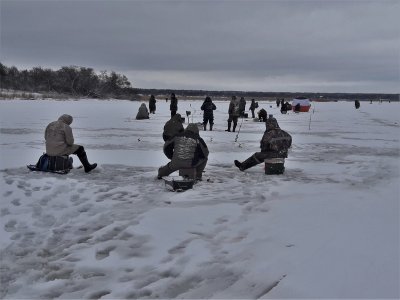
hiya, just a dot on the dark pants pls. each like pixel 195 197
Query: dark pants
pixel 175 166
pixel 173 113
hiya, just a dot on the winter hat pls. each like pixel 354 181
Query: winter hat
pixel 67 119
pixel 193 128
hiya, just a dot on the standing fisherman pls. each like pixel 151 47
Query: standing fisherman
pixel 208 107
pixel 173 107
pixel 242 106
pixel 152 104
pixel 253 106
pixel 233 113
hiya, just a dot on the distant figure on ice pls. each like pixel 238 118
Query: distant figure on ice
pixel 60 141
pixel 274 144
pixel 173 107
pixel 152 104
pixel 284 108
pixel 234 113
pixel 262 115
pixel 253 106
pixel 357 104
pixel 143 113
pixel 186 150
pixel 208 116
pixel 282 101
pixel 172 127
pixel 242 106
pixel 278 102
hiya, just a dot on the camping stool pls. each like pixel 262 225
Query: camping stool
pixel 188 173
pixel 274 166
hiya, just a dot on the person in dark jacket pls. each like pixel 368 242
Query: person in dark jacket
pixel 278 102
pixel 186 150
pixel 242 106
pixel 208 116
pixel 143 113
pixel 357 104
pixel 262 115
pixel 274 144
pixel 234 113
pixel 172 127
pixel 253 106
pixel 60 141
pixel 173 107
pixel 152 104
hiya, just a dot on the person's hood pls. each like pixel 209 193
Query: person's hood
pixel 67 119
pixel 193 128
pixel 177 118
pixel 271 123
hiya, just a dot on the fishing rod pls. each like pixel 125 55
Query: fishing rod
pixel 240 126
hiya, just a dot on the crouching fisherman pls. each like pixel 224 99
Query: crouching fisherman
pixel 274 148
pixel 186 150
pixel 60 141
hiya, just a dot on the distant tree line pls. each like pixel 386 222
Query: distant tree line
pixel 273 95
pixel 84 82
pixel 72 80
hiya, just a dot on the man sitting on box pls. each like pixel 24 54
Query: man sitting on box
pixel 274 149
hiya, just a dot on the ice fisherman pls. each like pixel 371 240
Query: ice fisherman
pixel 172 127
pixel 234 113
pixel 173 107
pixel 60 141
pixel 208 116
pixel 186 150
pixel 242 106
pixel 152 104
pixel 262 115
pixel 274 144
pixel 253 106
pixel 143 113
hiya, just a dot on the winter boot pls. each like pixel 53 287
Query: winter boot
pixel 229 127
pixel 84 160
pixel 248 163
pixel 234 127
pixel 211 126
pixel 205 126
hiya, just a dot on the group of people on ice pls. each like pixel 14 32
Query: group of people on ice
pixel 183 146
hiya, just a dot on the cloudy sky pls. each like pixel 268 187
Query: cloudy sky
pixel 265 45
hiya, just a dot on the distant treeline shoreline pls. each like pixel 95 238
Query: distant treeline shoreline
pixel 82 82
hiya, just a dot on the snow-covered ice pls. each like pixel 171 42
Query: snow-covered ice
pixel 327 228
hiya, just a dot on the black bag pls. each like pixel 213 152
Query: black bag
pixel 54 163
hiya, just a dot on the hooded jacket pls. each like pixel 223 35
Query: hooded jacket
pixel 143 113
pixel 275 140
pixel 186 149
pixel 208 107
pixel 172 127
pixel 59 137
pixel 234 108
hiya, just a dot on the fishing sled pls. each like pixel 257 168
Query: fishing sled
pixel 185 182
pixel 53 164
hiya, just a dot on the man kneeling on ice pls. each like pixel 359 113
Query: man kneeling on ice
pixel 60 141
pixel 274 145
pixel 186 150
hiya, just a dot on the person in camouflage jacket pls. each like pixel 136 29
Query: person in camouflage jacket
pixel 186 150
pixel 274 144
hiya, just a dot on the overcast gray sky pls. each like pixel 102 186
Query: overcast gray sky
pixel 293 46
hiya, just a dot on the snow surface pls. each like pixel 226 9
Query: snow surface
pixel 327 228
